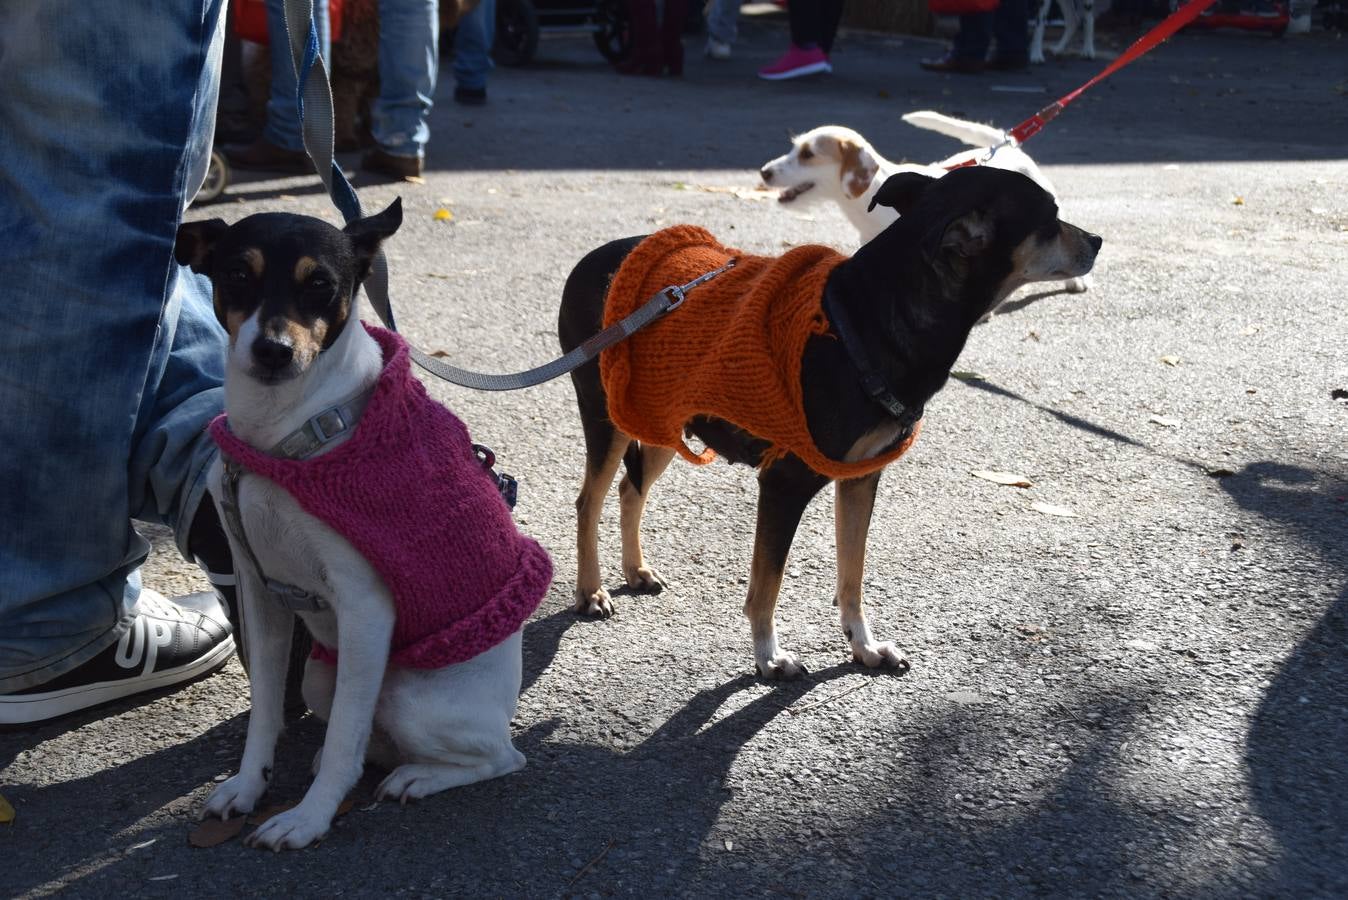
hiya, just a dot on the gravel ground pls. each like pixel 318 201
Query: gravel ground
pixel 1147 699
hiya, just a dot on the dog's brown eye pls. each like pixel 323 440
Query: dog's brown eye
pixel 320 284
pixel 805 153
pixel 237 276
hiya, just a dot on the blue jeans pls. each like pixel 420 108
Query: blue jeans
pixel 1009 23
pixel 111 360
pixel 472 45
pixel 409 48
pixel 283 118
pixel 723 18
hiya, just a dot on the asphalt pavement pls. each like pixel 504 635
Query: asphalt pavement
pixel 1146 698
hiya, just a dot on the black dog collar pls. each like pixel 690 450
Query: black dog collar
pixel 872 383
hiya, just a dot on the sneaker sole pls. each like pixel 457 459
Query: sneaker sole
pixel 33 708
pixel 811 69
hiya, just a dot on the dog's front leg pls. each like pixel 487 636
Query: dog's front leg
pixel 364 629
pixel 1037 40
pixel 784 490
pixel 1088 29
pixel 267 630
pixel 851 523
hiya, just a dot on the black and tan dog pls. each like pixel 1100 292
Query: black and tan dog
pixel 911 296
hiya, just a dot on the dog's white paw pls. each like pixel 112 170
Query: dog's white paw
pixel 596 605
pixel 644 580
pixel 413 782
pixel 236 795
pixel 1077 285
pixel 780 666
pixel 1037 56
pixel 880 655
pixel 290 830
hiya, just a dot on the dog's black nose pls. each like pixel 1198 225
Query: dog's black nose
pixel 1095 241
pixel 271 353
pixel 766 174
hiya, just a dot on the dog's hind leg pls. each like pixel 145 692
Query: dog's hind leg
pixel 604 449
pixel 1070 17
pixel 784 490
pixel 645 464
pixel 852 521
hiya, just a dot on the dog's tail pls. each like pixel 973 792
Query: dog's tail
pixel 971 133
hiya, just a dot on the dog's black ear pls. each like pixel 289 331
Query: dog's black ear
pixel 368 233
pixel 966 235
pixel 195 244
pixel 900 192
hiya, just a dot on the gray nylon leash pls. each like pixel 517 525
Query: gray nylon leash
pixel 314 104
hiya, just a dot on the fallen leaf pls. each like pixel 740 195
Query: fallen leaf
pixel 266 813
pixel 1238 201
pixel 1338 394
pixel 213 832
pixel 439 354
pixel 6 811
pixel 968 376
pixel 743 193
pixel 1170 360
pixel 1049 509
pixel 1009 479
pixel 443 215
pixel 1165 421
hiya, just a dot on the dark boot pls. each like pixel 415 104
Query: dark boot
pixel 645 56
pixel 671 35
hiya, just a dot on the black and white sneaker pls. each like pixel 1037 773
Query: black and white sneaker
pixel 169 642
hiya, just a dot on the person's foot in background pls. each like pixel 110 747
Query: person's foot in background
pixel 795 63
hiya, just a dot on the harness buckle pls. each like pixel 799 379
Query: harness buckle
pixel 328 424
pixel 676 295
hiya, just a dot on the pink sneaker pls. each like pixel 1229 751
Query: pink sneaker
pixel 796 62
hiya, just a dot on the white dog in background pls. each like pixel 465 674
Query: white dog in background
pixel 832 163
pixel 1075 14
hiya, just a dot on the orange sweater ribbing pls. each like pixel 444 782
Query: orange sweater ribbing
pixel 732 351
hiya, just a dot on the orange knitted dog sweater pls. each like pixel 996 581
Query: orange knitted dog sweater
pixel 732 351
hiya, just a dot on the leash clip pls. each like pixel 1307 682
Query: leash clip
pixel 675 295
pixel 506 484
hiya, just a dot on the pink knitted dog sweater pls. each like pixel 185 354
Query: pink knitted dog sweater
pixel 408 492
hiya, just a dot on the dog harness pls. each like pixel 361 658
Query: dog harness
pixel 733 351
pixel 410 493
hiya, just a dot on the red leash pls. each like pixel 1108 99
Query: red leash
pixel 1167 27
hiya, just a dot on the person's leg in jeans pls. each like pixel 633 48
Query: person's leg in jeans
pixel 1010 25
pixel 472 53
pixel 974 37
pixel 281 147
pixel 722 27
pixel 409 39
pixel 110 357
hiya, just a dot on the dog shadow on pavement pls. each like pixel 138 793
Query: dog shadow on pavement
pixel 1297 749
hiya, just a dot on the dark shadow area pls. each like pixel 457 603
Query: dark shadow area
pixel 1297 749
pixel 1066 418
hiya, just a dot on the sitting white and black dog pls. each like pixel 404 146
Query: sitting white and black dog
pixel 355 500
